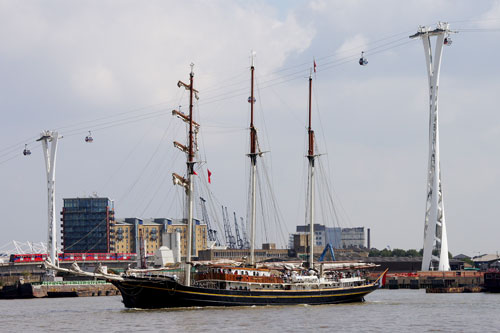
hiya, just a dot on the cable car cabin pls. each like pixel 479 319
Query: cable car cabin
pixel 362 60
pixel 89 138
pixel 26 151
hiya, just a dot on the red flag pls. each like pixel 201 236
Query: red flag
pixel 314 62
pixel 194 173
pixel 209 174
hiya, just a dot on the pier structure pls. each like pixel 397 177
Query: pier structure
pixel 49 144
pixel 435 255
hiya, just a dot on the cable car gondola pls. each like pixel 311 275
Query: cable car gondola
pixel 89 138
pixel 26 151
pixel 362 60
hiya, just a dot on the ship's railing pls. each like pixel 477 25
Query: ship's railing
pixel 238 278
pixel 61 283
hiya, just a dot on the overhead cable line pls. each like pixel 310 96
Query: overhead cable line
pixel 114 120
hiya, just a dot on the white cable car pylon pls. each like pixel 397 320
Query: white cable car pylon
pixel 49 152
pixel 435 237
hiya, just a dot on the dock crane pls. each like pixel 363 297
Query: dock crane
pixel 230 241
pixel 212 233
pixel 246 242
pixel 239 241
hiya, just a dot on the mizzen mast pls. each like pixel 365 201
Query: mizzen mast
pixel 253 165
pixel 311 157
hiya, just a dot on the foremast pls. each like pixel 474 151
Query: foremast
pixel 188 184
pixel 253 166
pixel 311 157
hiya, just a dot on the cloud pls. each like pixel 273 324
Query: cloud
pixel 352 44
pixel 80 61
pixel 491 19
pixel 95 84
pixel 69 62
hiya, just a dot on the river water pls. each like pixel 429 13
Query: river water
pixel 383 311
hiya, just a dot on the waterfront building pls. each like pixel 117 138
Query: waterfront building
pixel 353 237
pixel 129 234
pixel 339 238
pixel 487 261
pixel 86 224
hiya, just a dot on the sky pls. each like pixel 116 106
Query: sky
pixel 111 67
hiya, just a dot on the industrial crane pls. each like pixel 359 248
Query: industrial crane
pixel 212 233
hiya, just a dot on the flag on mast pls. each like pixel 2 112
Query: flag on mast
pixel 209 174
pixel 314 65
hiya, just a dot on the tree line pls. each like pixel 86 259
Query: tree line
pixel 401 253
pixel 395 253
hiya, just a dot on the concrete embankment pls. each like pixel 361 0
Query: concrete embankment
pixel 58 289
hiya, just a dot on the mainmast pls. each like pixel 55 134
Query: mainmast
pixel 253 165
pixel 310 157
pixel 188 184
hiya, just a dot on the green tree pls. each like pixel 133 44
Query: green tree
pixel 398 253
pixel 374 252
pixel 469 261
pixel 412 253
pixel 386 253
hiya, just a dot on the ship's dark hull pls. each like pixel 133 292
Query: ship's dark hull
pixel 492 282
pixel 152 294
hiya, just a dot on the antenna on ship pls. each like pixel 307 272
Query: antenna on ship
pixel 188 184
pixel 253 163
pixel 311 157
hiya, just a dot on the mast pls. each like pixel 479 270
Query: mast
pixel 310 157
pixel 190 173
pixel 188 184
pixel 253 165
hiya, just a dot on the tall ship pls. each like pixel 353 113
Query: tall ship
pixel 245 282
